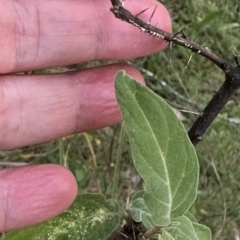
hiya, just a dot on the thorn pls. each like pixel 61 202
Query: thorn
pixel 141 12
pixel 181 34
pixel 184 35
pixel 150 19
pixel 117 3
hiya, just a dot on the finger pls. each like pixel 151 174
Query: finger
pixel 33 194
pixel 40 108
pixel 40 34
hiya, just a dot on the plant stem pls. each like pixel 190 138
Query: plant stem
pixel 151 232
pixel 210 112
pixel 61 152
pixel 117 164
pixel 120 12
pixel 99 190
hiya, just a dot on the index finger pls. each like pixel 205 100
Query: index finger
pixel 40 34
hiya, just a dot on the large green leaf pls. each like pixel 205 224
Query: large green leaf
pixel 162 152
pixel 90 217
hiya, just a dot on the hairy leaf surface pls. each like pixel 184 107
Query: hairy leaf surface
pixel 90 217
pixel 162 152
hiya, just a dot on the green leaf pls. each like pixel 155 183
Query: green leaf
pixel 139 210
pixel 186 230
pixel 162 152
pixel 90 217
pixel 202 231
pixel 166 236
pixel 190 216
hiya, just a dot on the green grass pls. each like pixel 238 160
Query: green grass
pixel 216 25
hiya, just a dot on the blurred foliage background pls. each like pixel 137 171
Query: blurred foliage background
pixel 187 83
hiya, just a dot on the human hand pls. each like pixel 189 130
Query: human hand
pixel 39 108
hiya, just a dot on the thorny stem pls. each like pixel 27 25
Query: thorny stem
pixel 120 12
pixel 232 74
pixel 210 112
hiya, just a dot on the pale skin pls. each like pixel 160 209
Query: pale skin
pixel 37 34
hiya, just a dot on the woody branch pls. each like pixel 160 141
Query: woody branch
pixel 225 92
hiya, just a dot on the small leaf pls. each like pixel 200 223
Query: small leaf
pixel 162 152
pixel 202 231
pixel 139 210
pixel 90 217
pixel 186 230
